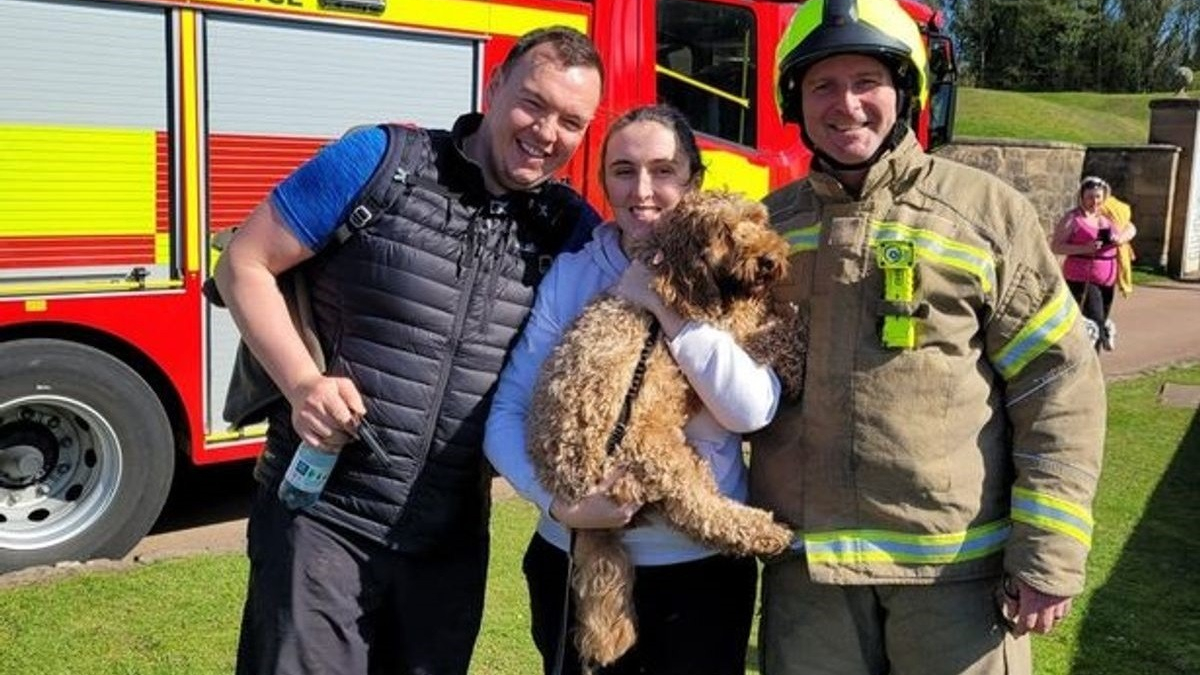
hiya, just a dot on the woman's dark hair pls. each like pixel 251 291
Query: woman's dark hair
pixel 574 49
pixel 675 122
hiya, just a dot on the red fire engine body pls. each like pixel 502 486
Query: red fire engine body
pixel 132 131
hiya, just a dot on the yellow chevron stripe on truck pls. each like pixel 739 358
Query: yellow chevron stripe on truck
pixel 65 181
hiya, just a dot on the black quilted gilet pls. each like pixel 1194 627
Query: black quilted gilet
pixel 419 308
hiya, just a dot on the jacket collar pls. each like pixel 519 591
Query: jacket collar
pixel 460 173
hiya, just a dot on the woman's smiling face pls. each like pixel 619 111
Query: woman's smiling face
pixel 645 176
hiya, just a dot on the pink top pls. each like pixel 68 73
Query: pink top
pixel 1098 268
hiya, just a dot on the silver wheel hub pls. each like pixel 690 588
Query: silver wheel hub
pixel 60 465
pixel 20 464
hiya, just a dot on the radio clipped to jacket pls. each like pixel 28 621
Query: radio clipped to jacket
pixel 897 259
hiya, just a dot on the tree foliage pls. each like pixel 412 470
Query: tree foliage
pixel 1075 45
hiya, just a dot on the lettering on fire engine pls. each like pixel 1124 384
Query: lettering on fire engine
pixel 277 3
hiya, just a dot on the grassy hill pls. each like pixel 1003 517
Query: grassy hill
pixel 1076 117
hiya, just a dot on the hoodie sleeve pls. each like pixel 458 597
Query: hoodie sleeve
pixel 740 393
pixel 562 294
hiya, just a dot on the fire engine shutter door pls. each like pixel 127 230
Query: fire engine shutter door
pixel 279 79
pixel 83 123
pixel 278 91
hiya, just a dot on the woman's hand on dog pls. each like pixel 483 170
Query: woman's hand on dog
pixel 634 287
pixel 596 510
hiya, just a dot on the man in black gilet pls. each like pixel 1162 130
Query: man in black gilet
pixel 414 312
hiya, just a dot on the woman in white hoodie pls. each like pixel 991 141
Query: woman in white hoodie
pixel 694 606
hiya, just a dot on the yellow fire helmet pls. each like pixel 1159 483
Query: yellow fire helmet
pixel 824 28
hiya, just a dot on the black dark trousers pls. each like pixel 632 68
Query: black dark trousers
pixel 693 618
pixel 324 601
pixel 1095 300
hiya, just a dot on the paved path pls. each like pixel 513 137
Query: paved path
pixel 1158 325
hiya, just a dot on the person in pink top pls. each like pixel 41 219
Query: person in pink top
pixel 1089 239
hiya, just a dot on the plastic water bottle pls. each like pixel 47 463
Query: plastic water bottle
pixel 306 476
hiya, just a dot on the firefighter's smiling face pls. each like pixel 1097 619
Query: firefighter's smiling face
pixel 849 106
pixel 538 113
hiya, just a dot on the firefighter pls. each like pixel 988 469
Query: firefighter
pixel 940 466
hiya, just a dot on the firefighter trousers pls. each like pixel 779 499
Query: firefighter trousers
pixel 948 628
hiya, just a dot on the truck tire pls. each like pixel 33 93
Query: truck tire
pixel 86 454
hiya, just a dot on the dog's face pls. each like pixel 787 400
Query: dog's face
pixel 712 249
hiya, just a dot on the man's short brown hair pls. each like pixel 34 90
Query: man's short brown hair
pixel 574 49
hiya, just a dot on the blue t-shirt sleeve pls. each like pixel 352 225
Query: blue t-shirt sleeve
pixel 313 200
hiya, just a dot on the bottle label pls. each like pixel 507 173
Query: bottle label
pixel 310 470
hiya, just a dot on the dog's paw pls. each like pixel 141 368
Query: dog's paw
pixel 783 344
pixel 772 540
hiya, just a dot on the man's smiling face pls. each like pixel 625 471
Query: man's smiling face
pixel 849 105
pixel 539 111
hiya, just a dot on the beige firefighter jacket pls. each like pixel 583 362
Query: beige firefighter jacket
pixel 975 446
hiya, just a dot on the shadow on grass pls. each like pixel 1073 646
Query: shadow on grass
pixel 1145 619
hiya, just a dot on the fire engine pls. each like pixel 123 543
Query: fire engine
pixel 133 131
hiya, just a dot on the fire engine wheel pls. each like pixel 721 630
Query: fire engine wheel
pixel 86 454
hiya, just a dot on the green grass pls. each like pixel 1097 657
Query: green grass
pixel 1075 117
pixel 171 618
pixel 505 647
pixel 1139 609
pixel 1149 274
pixel 1137 616
pixel 180 617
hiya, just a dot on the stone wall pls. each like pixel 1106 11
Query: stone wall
pixel 1047 172
pixel 1144 176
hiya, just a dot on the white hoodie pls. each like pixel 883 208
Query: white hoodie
pixel 739 396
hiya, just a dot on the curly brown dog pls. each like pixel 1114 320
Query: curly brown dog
pixel 714 260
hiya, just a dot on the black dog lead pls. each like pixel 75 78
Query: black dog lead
pixel 614 439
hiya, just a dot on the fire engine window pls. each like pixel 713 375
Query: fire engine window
pixel 706 66
pixel 942 90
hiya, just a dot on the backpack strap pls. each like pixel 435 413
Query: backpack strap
pixel 559 209
pixel 408 152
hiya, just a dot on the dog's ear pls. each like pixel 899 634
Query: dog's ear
pixel 760 253
pixel 686 277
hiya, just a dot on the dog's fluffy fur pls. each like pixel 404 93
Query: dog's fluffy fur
pixel 714 260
